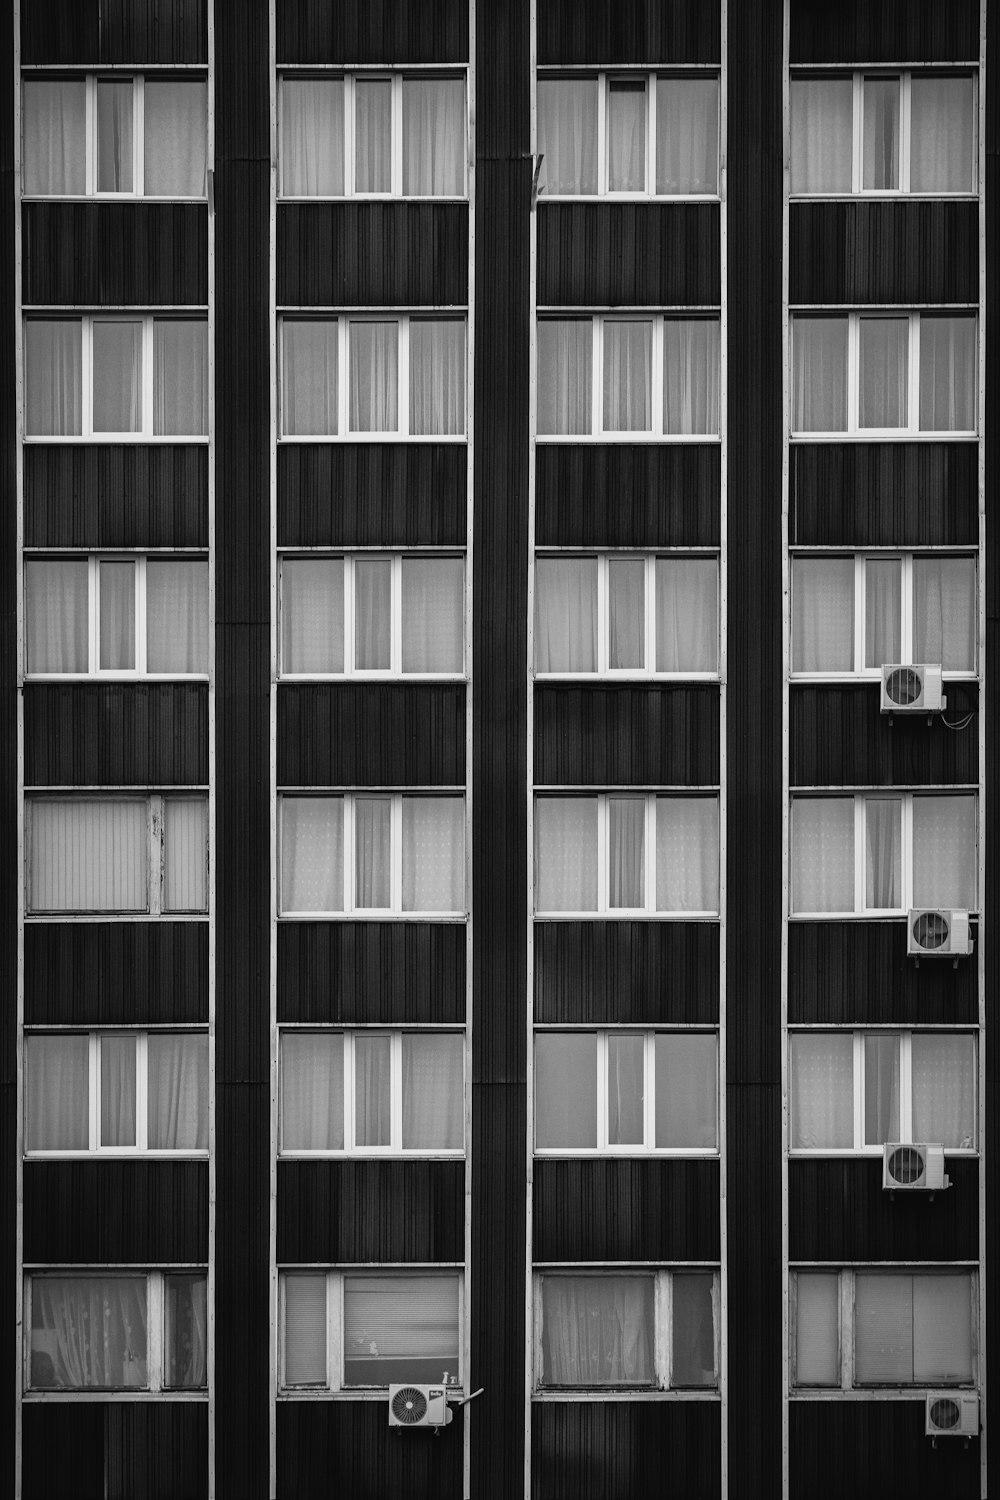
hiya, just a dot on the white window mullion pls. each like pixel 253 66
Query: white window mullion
pixel 395 1091
pixel 656 380
pixel 154 842
pixel 141 1091
pixel 857 158
pixel 846 1329
pixel 403 363
pixel 649 853
pixel 396 849
pixel 859 853
pixel 334 1326
pixel 350 863
pixel 650 134
pixel 597 383
pixel 905 1090
pixel 349 129
pixel 904 132
pixel 147 376
pixel 154 1330
pixel 858 1041
pixel 602 1091
pixel 602 134
pixel 663 1288
pixel 913 373
pixel 138 134
pixel 94 1113
pixel 603 612
pixel 396 136
pixel 602 852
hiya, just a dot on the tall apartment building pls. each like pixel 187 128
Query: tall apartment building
pixel 475 476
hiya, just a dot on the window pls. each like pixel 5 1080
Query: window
pixel 850 615
pixel 116 1091
pixel 360 376
pixel 626 854
pixel 372 1092
pixel 883 852
pixel 626 1092
pixel 884 132
pixel 119 137
pixel 129 1331
pixel 852 1329
pixel 647 1330
pixel 884 374
pixel 378 853
pixel 657 376
pixel 625 613
pixel 361 135
pixel 145 854
pixel 854 1091
pixel 120 615
pixel 373 614
pixel 116 378
pixel 345 1330
pixel 638 135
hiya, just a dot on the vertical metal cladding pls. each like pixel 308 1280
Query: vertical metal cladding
pixel 373 254
pixel 877 1448
pixel 890 32
pixel 899 253
pixel 839 1212
pixel 75 973
pixel 629 973
pixel 372 494
pixel 348 1448
pixel 116 1212
pixel 588 1450
pixel 839 737
pixel 376 1212
pixel 626 736
pixel 883 495
pixel 618 1209
pixel 115 254
pixel 627 495
pixel 379 31
pixel 115 31
pixel 628 254
pixel 116 495
pixel 116 734
pixel 338 973
pixel 636 31
pixel 371 734
pixel 116 1450
pixel 858 974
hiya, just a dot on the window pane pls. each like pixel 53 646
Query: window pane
pixel 437 376
pixel 822 131
pixel 881 1089
pixel 819 374
pixel 944 852
pixel 626 136
pixel 54 126
pixel 372 873
pixel 597 1330
pixel 687 1091
pixel 883 1329
pixel 433 1097
pixel 312 854
pixel 53 364
pixel 176 616
pixel 312 137
pixel 308 377
pixel 88 1333
pixel 185 854
pixel 305 1329
pixel 883 610
pixel 566 1090
pixel 880 169
pixel 312 615
pixel 312 1091
pixel 883 373
pixel 942 135
pixel 57 1093
pixel 687 854
pixel 87 856
pixel 626 1090
pixel 185 1327
pixel 117 1091
pixel 817 1328
pixel 944 1089
pixel 690 376
pixel 565 360
pixel 692 1348
pixel 433 137
pixel 372 614
pixel 566 614
pixel 942 1329
pixel 566 854
pixel 175 137
pixel 374 376
pixel 821 1085
pixel 114 136
pixel 626 852
pixel 687 135
pixel 180 377
pixel 434 854
pixel 117 376
pixel 567 135
pixel 116 590
pixel 400 1328
pixel 626 613
pixel 687 614
pixel 433 614
pixel 55 616
pixel 948 355
pixel 823 614
pixel 883 854
pixel 822 854
pixel 177 1091
pixel 372 1090
pixel 628 353
pixel 945 624
pixel 372 135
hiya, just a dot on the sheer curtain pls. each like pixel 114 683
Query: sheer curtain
pixel 692 1343
pixel 687 614
pixel 943 1083
pixel 175 137
pixel 881 1088
pixel 374 376
pixel 434 854
pixel 817 1328
pixel 437 376
pixel 312 854
pixel 312 614
pixel 116 636
pixel 565 375
pixel 821 1108
pixel 822 854
pixel 117 353
pixel 373 135
pixel 883 854
pixel 948 356
pixel 628 372
pixel 185 841
pixel 597 1330
pixel 54 126
pixel 566 614
pixel 433 137
pixel 687 1090
pixel 822 131
pixel 309 391
pixel 433 1097
pixel 880 154
pixel 57 1093
pixel 626 1089
pixel 945 625
pixel 690 376
pixel 882 381
pixel 180 377
pixel 372 872
pixel 53 370
pixel 56 615
pixel 117 1090
pixel 942 135
pixel 626 613
pixel 372 614
pixel 819 374
pixel 114 136
pixel 823 614
pixel 687 854
pixel 304 1297
pixel 177 1091
pixel 372 1090
pixel 433 614
pixel 566 854
pixel 176 616
pixel 400 1328
pixel 312 137
pixel 567 135
pixel 626 136
pixel 944 852
pixel 87 855
pixel 185 1327
pixel 566 1090
pixel 88 1332
pixel 312 1091
pixel 626 852
pixel 883 610
pixel 687 135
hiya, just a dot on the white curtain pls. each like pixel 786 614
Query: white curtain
pixel 626 613
pixel 114 136
pixel 400 1328
pixel 565 854
pixel 88 1333
pixel 185 1330
pixel 690 376
pixel 883 372
pixel 942 135
pixel 880 156
pixel 87 855
pixel 433 137
pixel 692 1333
pixel 687 614
pixel 176 616
pixel 372 877
pixel 626 136
pixel 117 347
pixel 881 1088
pixel 565 375
pixel 821 1065
pixel 687 854
pixel 374 376
pixel 54 126
pixel 567 135
pixel 312 137
pixel 372 614
pixel 56 615
pixel 305 1328
pixel 433 1096
pixel 626 1089
pixel 943 1087
pixel 57 1093
pixel 185 840
pixel 883 853
pixel 177 1091
pixel 597 1330
pixel 687 135
pixel 312 614
pixel 309 353
pixel 626 853
pixel 433 614
pixel 437 376
pixel 628 373
pixel 180 377
pixel 945 623
pixel 53 370
pixel 822 854
pixel 116 636
pixel 912 1330
pixel 312 854
pixel 687 1090
pixel 373 135
pixel 434 854
pixel 944 852
pixel 817 1328
pixel 883 610
pixel 823 614
pixel 372 1090
pixel 117 1090
pixel 948 358
pixel 566 614
pixel 822 132
pixel 312 1091
pixel 566 1090
pixel 819 374
pixel 175 137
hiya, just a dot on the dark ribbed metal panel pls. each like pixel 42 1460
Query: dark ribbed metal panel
pixel 628 254
pixel 890 31
pixel 371 734
pixel 115 973
pixel 626 736
pixel 886 253
pixel 116 1450
pixel 636 31
pixel 625 1209
pixel 858 974
pixel 114 31
pixel 633 973
pixel 590 1450
pixel 839 737
pixel 839 1211
pixel 116 734
pixel 883 495
pixel 63 1451
pixel 373 254
pixel 372 494
pixel 871 1450
pixel 343 972
pixel 372 31
pixel 348 1448
pixel 352 1212
pixel 627 495
pixel 115 1211
pixel 116 496
pixel 115 254
pixel 990 826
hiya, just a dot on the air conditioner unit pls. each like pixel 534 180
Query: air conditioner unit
pixel 418 1406
pixel 913 1169
pixel 911 690
pixel 938 934
pixel 952 1414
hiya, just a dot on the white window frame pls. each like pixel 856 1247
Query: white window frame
pixel 395 669
pixel 349 1035
pixel 605 78
pixel 847 1281
pixel 861 801
pixel 648 1146
pixel 905 77
pixel 912 429
pixel 155 1337
pixel 335 1324
pixel 662 1279
pixel 904 1037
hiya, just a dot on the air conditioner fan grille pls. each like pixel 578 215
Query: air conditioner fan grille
pixel 930 930
pixel 903 686
pixel 409 1405
pixel 945 1414
pixel 906 1165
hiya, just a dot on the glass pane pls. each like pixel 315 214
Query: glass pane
pixel 883 373
pixel 54 127
pixel 433 1095
pixel 626 852
pixel 566 854
pixel 312 615
pixel 692 1344
pixel 180 377
pixel 53 368
pixel 822 131
pixel 883 854
pixel 566 614
pixel 175 137
pixel 433 137
pixel 117 376
pixel 400 1328
pixel 944 1089
pixel 57 1093
pixel 822 854
pixel 881 1089
pixel 433 614
pixel 945 604
pixel 114 136
pixel 883 610
pixel 626 136
pixel 566 1090
pixel 819 374
pixel 948 384
pixel 626 1090
pixel 372 834
pixel 87 855
pixel 372 615
pixel 880 169
pixel 88 1333
pixel 687 1091
pixel 942 135
pixel 312 854
pixel 312 1091
pixel 374 376
pixel 372 135
pixel 437 376
pixel 185 854
pixel 567 135
pixel 118 1091
pixel 305 1329
pixel 597 1330
pixel 942 1329
pixel 185 1328
pixel 821 1085
pixel 687 614
pixel 626 613
pixel 687 854
pixel 628 353
pixel 823 614
pixel 883 1329
pixel 690 376
pixel 944 852
pixel 372 1090
pixel 308 377
pixel 55 616
pixel 687 135
pixel 434 854
pixel 117 609
pixel 565 375
pixel 177 1091
pixel 312 137
pixel 817 1328
pixel 176 616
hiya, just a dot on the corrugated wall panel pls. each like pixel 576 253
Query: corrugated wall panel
pixel 881 1453
pixel 372 494
pixel 373 254
pixel 628 254
pixel 114 31
pixel 883 495
pixel 626 736
pixel 890 31
pixel 115 973
pixel 116 1450
pixel 628 973
pixel 884 252
pixel 372 31
pixel 116 734
pixel 858 974
pixel 63 1450
pixel 838 1211
pixel 116 1211
pixel 627 495
pixel 591 1450
pixel 354 1212
pixel 343 972
pixel 635 31
pixel 116 496
pixel 625 1210
pixel 371 734
pixel 115 254
pixel 839 737
pixel 348 1448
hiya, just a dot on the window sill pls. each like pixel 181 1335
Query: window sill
pixel 453 917
pixel 679 1153
pixel 877 436
pixel 291 439
pixel 373 1155
pixel 868 1153
pixel 115 677
pixel 379 1394
pixel 544 198
pixel 193 1397
pixel 614 679
pixel 874 1393
pixel 462 198
pixel 589 439
pixel 113 439
pixel 624 1393
pixel 294 678
pixel 108 197
pixel 628 916
pixel 117 1155
pixel 878 916
pixel 33 917
pixel 963 195
pixel 866 679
